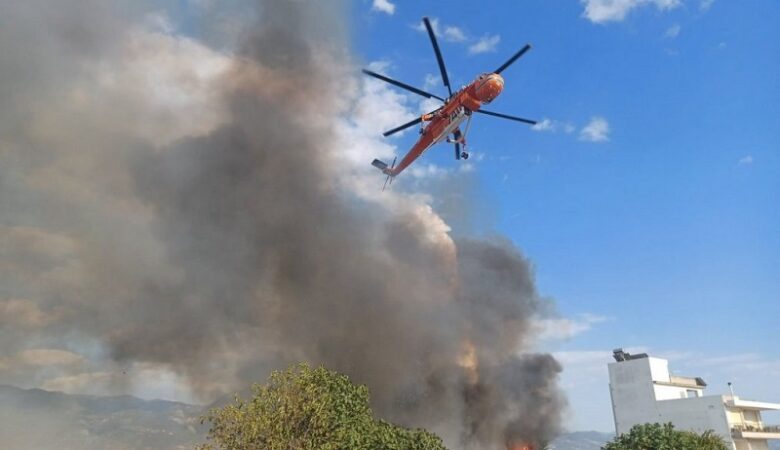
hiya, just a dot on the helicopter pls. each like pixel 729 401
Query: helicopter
pixel 443 124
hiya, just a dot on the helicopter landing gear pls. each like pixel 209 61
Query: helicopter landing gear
pixel 460 145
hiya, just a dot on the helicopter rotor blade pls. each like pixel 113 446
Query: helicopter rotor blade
pixel 402 85
pixel 514 58
pixel 439 58
pixel 410 123
pixel 506 116
pixel 402 127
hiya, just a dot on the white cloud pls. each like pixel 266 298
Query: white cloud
pixel 565 328
pixel 554 126
pixel 602 11
pixel 597 130
pixel 745 160
pixel 427 170
pixel 453 34
pixel 485 44
pixel 431 81
pixel 449 33
pixel 380 106
pixel 705 5
pixel 466 167
pixel 374 107
pixel 384 6
pixel 673 31
pixel 744 366
pixel 584 357
pixel 379 66
pixel 544 125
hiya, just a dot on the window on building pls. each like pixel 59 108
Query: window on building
pixel 692 393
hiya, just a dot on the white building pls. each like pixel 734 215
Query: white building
pixel 643 391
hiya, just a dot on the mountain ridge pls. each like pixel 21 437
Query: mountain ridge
pixel 37 419
pixel 40 419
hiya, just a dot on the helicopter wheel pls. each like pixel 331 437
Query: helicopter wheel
pixel 464 155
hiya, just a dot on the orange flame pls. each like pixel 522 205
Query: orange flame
pixel 521 447
pixel 468 361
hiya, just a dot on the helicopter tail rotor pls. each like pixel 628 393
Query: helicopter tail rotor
pixel 387 170
pixel 390 176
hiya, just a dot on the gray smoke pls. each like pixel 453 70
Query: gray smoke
pixel 224 254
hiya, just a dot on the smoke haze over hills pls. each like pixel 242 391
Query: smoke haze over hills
pixel 42 420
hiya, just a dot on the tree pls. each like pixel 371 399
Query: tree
pixel 664 437
pixel 307 409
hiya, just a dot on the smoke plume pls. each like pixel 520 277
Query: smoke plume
pixel 172 209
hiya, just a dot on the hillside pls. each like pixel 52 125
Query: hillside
pixel 34 419
pixel 581 440
pixel 41 420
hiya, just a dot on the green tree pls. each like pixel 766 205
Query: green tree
pixel 664 437
pixel 307 409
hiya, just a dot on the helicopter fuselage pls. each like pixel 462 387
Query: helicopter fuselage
pixel 440 124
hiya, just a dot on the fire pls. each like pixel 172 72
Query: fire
pixel 521 447
pixel 468 361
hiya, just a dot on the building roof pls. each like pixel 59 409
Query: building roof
pixel 736 402
pixel 685 382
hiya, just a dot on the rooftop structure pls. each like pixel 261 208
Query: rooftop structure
pixel 644 391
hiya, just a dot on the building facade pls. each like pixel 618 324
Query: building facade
pixel 644 391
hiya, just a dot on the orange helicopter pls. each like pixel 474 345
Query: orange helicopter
pixel 438 125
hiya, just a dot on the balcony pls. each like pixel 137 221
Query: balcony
pixel 755 431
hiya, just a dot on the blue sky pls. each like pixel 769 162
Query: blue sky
pixel 648 199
